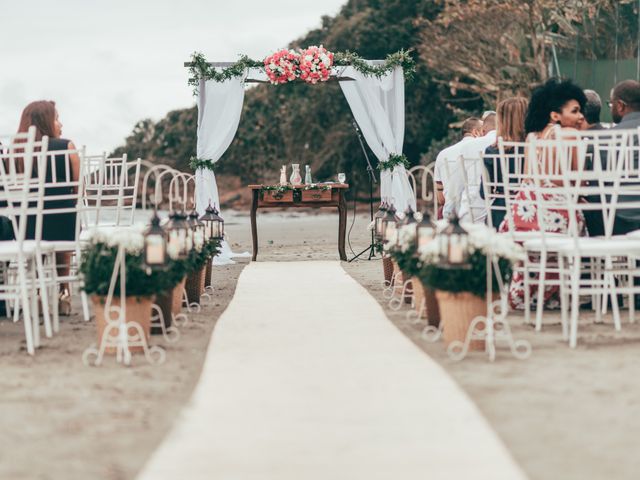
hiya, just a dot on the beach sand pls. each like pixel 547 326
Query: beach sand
pixel 566 414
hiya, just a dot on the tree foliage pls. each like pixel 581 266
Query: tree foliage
pixel 468 54
pixel 501 47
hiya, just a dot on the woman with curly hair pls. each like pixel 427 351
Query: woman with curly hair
pixel 555 103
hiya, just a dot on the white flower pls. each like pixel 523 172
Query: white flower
pixel 406 237
pixel 131 238
pixel 480 239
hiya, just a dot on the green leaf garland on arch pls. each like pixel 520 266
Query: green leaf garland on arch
pixel 393 161
pixel 196 163
pixel 200 68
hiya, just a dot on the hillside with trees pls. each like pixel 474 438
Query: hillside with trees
pixel 468 55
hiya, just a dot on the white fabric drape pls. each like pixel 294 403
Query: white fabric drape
pixel 219 110
pixel 377 105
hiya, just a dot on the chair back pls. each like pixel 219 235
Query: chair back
pixel 423 183
pixel 63 187
pixel 581 181
pixel 512 161
pixel 20 191
pixel 110 190
pixel 501 178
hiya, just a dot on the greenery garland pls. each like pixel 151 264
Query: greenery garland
pixel 401 58
pixel 276 188
pixel 393 161
pixel 200 68
pixel 196 163
pixel 315 186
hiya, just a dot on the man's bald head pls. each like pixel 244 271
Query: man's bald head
pixel 489 123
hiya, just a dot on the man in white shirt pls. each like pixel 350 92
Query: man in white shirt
pixel 446 165
pixel 472 153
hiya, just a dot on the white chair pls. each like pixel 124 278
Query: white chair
pixel 472 206
pixel 64 195
pixel 423 183
pixel 110 191
pixel 20 259
pixel 587 265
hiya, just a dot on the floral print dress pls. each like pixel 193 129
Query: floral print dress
pixel 525 219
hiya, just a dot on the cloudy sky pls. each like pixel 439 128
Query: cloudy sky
pixel 109 63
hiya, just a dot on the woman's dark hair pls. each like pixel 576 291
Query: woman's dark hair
pixel 551 97
pixel 41 114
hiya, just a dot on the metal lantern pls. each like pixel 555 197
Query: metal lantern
pixel 389 226
pixel 425 231
pixel 196 224
pixel 207 220
pixel 408 217
pixel 155 244
pixel 214 223
pixel 377 220
pixel 454 245
pixel 180 234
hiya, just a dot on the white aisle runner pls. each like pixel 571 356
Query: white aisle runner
pixel 305 378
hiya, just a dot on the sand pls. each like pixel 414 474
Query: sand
pixel 562 413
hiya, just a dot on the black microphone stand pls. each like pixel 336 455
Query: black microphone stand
pixel 372 179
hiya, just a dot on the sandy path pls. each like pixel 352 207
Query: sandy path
pixel 311 380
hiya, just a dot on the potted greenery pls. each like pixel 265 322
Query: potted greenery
pixel 199 257
pixel 461 292
pixel 404 254
pixel 142 284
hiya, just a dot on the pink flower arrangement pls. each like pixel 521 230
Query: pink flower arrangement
pixel 283 66
pixel 315 64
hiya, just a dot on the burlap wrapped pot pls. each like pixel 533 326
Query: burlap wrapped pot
pixel 457 311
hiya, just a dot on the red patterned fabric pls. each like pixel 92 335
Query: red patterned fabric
pixel 525 219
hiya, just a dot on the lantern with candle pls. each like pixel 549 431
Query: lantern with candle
pixel 454 245
pixel 155 244
pixel 180 235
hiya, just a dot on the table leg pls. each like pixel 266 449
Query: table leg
pixel 254 226
pixel 342 226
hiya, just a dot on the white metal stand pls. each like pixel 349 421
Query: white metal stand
pixel 117 331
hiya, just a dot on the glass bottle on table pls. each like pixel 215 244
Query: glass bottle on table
pixel 295 178
pixel 307 175
pixel 283 175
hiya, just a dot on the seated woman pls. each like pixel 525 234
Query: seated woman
pixel 510 127
pixel 553 103
pixel 58 226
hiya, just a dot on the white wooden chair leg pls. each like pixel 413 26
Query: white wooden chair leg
pixel 575 302
pixel 527 291
pixel 26 312
pixel 541 282
pixel 85 306
pixel 44 296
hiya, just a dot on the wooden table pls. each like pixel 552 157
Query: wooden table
pixel 336 200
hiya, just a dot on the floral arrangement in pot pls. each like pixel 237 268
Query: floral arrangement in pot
pixel 404 253
pixel 142 284
pixel 461 290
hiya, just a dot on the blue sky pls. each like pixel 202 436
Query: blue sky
pixel 108 64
